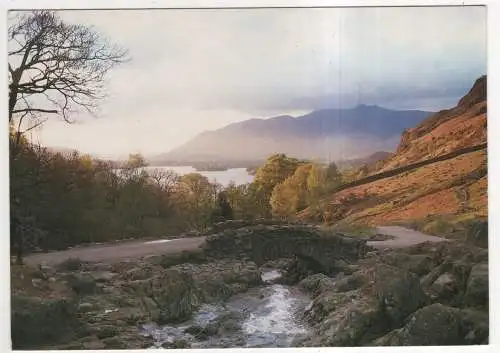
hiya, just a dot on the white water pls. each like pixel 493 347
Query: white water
pixel 270 276
pixel 274 324
pixel 271 318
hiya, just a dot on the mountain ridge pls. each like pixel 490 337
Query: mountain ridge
pixel 330 134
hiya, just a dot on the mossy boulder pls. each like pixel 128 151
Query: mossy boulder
pixel 433 325
pixel 398 292
pixel 36 321
pixel 477 291
pixel 317 284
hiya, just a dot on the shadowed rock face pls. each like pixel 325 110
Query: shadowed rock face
pixel 265 243
pixel 477 235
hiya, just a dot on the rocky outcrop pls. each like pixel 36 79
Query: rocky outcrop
pixel 428 294
pixel 398 293
pixel 433 325
pixel 439 325
pixel 37 322
pixel 477 234
pixel 102 306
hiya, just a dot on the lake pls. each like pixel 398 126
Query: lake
pixel 224 177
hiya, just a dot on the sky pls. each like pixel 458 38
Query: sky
pixel 196 70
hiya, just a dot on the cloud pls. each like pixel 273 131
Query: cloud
pixel 259 61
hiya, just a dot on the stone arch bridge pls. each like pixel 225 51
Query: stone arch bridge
pixel 262 243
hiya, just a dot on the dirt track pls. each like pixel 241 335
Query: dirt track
pixel 117 252
pixel 403 237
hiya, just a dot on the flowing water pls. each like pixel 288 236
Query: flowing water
pixel 266 316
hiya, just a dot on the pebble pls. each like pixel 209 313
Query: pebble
pixel 85 307
pixel 37 282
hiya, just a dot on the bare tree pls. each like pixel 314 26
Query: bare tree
pixel 56 67
pixel 165 180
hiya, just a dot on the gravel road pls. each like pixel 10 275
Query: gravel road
pixel 403 237
pixel 117 252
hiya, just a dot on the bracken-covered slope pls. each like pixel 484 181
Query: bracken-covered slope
pixel 445 131
pixel 435 196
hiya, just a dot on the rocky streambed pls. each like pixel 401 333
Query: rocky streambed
pixel 270 315
pixel 428 294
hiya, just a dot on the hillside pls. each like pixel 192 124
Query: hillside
pixel 437 197
pixel 330 134
pixel 370 161
pixel 445 131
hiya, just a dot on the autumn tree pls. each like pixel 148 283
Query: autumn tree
pixel 275 170
pixel 284 200
pixel 199 197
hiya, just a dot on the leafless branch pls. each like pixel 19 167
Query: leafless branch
pixel 63 63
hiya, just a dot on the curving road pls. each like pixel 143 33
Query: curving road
pixel 117 252
pixel 403 237
pixel 114 252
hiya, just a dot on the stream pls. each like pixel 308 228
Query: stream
pixel 265 316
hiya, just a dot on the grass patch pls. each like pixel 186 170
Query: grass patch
pixel 447 226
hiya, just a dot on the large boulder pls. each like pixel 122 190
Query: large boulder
pixel 475 327
pixel 36 322
pixel 447 283
pixel 433 325
pixel 352 282
pixel 173 292
pixel 317 284
pixel 443 288
pixel 326 303
pixel 477 291
pixel 351 324
pixel 438 325
pixel 398 292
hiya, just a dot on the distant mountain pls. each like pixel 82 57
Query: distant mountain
pixel 330 134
